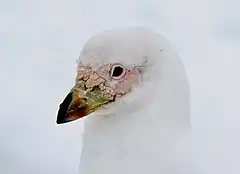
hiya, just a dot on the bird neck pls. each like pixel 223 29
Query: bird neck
pixel 126 143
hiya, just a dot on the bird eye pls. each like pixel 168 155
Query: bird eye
pixel 117 71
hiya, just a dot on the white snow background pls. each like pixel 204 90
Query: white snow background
pixel 41 40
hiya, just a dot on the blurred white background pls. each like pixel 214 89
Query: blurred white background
pixel 41 40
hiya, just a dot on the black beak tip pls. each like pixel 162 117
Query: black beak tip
pixel 62 116
pixel 61 121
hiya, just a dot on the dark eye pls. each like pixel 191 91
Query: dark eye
pixel 117 71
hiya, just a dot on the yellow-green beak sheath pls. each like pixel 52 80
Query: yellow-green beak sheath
pixel 77 105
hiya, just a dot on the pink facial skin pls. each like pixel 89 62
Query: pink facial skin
pixel 114 80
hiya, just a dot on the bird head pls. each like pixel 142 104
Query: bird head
pixel 120 70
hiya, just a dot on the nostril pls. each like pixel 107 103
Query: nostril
pixel 85 99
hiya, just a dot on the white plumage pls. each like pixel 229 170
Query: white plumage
pixel 145 131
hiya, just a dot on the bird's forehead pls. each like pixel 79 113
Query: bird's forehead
pixel 127 48
pixel 98 57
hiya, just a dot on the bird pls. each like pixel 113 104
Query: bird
pixel 132 92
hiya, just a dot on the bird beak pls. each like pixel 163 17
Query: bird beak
pixel 78 104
